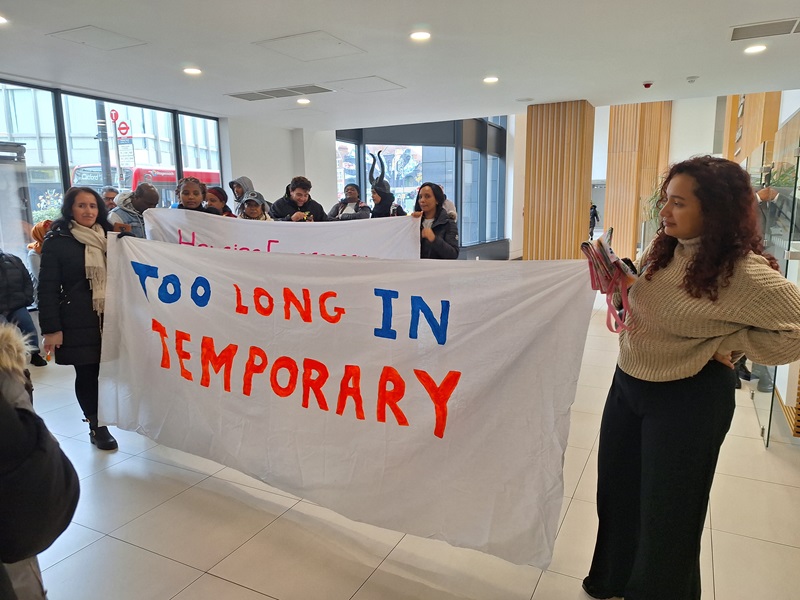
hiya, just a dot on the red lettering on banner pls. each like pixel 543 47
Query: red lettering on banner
pixel 181 241
pixel 289 300
pixel 240 308
pixel 162 332
pixel 338 311
pixel 390 398
pixel 314 384
pixel 253 367
pixel 391 387
pixel 258 294
pixel 350 386
pixel 209 357
pixel 440 394
pixel 264 304
pixel 284 362
pixel 183 355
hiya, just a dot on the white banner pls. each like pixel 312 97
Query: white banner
pixel 374 238
pixel 430 397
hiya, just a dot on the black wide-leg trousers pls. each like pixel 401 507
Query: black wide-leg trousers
pixel 659 444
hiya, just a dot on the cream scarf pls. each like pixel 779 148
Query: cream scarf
pixel 94 240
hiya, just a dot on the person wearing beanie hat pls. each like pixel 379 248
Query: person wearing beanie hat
pixel 217 198
pixel 254 207
pixel 351 206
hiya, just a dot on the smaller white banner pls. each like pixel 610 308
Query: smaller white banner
pixel 369 238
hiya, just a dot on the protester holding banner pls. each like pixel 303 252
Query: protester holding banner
pixel 706 293
pixel 217 198
pixel 128 214
pixel 191 192
pixel 298 205
pixel 385 206
pixel 350 207
pixel 72 286
pixel 439 233
pixel 254 207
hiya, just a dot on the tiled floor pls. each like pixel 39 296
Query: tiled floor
pixel 155 524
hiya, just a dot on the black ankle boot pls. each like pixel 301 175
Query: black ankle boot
pixel 101 436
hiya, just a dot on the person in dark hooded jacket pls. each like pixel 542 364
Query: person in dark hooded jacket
pixel 16 294
pixel 438 233
pixel 298 205
pixel 39 487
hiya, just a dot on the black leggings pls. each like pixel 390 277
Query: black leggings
pixel 659 443
pixel 86 388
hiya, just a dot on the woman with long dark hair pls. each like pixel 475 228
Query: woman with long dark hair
pixel 706 293
pixel 72 290
pixel 438 231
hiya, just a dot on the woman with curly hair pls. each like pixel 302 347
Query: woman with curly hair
pixel 706 293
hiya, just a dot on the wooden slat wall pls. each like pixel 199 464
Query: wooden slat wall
pixel 759 123
pixel 638 153
pixel 558 179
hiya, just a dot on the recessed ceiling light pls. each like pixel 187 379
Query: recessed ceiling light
pixel 755 49
pixel 3 20
pixel 491 79
pixel 420 36
pixel 303 101
pixel 192 71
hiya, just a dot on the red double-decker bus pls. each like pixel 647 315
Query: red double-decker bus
pixel 163 178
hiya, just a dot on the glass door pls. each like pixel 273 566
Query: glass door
pixel 776 393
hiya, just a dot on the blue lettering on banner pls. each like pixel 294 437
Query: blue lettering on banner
pixel 169 290
pixel 386 330
pixel 439 328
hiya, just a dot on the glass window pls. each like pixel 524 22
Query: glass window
pixel 200 149
pixel 470 199
pixel 346 167
pixel 493 200
pixel 115 144
pixel 407 167
pixel 30 182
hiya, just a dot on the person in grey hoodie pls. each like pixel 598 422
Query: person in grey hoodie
pixel 131 207
pixel 240 186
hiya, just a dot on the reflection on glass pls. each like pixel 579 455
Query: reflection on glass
pixel 470 201
pixel 407 167
pixel 30 182
pixel 346 171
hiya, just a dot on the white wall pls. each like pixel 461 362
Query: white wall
pixel 262 153
pixel 692 130
pixel 790 104
pixel 315 158
pixel 515 181
pixel 271 156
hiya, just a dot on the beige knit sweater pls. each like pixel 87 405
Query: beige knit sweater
pixel 674 335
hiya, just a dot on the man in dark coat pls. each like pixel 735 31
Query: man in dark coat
pixel 298 206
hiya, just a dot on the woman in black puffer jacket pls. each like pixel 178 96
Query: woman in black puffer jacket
pixel 72 284
pixel 439 232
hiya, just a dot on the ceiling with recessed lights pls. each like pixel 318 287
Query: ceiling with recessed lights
pixel 361 51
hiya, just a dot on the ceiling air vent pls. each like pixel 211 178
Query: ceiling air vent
pixel 761 30
pixel 282 92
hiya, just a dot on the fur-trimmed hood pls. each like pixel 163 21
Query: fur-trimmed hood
pixel 13 350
